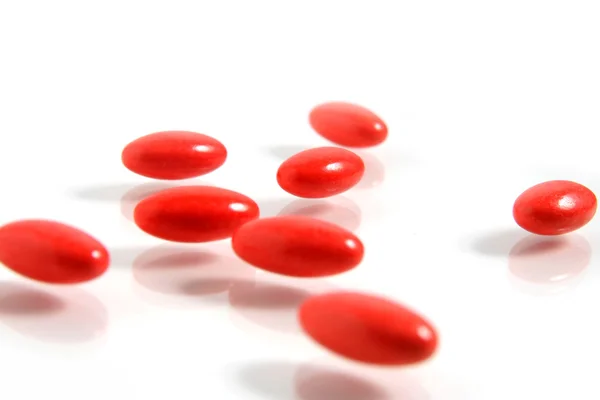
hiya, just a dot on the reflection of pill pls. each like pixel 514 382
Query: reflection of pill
pixel 298 246
pixel 340 211
pixel 320 172
pixel 549 259
pixel 554 207
pixel 51 252
pixel 348 124
pixel 174 155
pixel 194 214
pixel 367 329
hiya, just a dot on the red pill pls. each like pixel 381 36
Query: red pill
pixel 348 124
pixel 368 329
pixel 173 155
pixel 194 214
pixel 298 246
pixel 554 207
pixel 320 172
pixel 51 252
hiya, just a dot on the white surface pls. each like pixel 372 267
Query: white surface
pixel 483 99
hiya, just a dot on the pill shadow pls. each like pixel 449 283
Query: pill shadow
pixel 551 264
pixel 272 306
pixel 182 275
pixel 68 316
pixel 497 243
pixel 339 210
pixel 178 276
pixel 102 193
pixel 273 302
pixel 313 382
pixel 285 380
pixel 283 152
pixel 128 195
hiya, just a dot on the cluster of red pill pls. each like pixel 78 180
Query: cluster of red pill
pixel 358 326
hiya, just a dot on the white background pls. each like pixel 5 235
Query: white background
pixel 483 99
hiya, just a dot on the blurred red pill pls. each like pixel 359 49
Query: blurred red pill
pixel 368 329
pixel 194 214
pixel 298 246
pixel 320 172
pixel 348 124
pixel 173 155
pixel 554 207
pixel 51 252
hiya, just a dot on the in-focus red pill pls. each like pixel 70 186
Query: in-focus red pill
pixel 320 172
pixel 348 124
pixel 367 328
pixel 51 252
pixel 554 207
pixel 298 246
pixel 194 214
pixel 173 155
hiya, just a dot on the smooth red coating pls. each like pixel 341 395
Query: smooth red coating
pixel 298 246
pixel 51 252
pixel 173 155
pixel 367 328
pixel 320 172
pixel 554 207
pixel 348 125
pixel 194 214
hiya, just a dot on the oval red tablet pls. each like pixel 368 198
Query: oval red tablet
pixel 174 155
pixel 367 328
pixel 348 124
pixel 554 207
pixel 320 172
pixel 194 214
pixel 297 246
pixel 51 252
